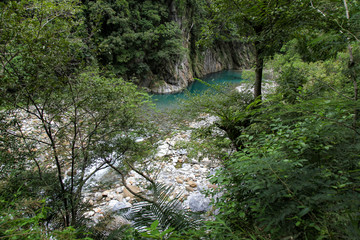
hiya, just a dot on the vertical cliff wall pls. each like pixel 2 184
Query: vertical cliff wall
pixel 197 61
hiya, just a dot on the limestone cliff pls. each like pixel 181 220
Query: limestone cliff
pixel 196 62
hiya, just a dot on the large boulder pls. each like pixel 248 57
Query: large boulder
pixel 133 188
pixel 199 203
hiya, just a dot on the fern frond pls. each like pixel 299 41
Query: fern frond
pixel 169 212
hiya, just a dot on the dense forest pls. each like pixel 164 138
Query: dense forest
pixel 76 84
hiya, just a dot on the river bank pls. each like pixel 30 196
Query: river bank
pixel 171 165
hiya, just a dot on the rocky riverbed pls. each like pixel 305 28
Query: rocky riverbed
pixel 188 176
pixel 171 165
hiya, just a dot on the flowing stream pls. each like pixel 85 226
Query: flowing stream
pixel 170 101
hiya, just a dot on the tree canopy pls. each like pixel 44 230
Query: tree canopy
pixel 288 164
pixel 265 25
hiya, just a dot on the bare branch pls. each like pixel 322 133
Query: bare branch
pixel 28 138
pixel 123 180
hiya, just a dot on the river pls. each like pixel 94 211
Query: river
pixel 171 101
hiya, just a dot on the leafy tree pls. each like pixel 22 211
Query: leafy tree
pixel 295 174
pixel 63 115
pixel 287 183
pixel 18 221
pixel 135 39
pixel 338 28
pixel 264 25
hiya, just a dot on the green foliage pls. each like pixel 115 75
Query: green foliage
pixel 165 210
pixel 202 141
pixel 265 25
pixel 331 31
pixel 228 105
pixel 58 117
pixel 320 46
pixel 134 38
pixel 158 215
pixel 288 183
pixel 296 171
pixel 36 39
pixel 152 232
pixel 84 126
pixel 217 229
pixel 312 79
pixel 291 82
pixel 22 218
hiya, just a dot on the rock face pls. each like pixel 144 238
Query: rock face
pixel 195 62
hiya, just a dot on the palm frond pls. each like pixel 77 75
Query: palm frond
pixel 169 212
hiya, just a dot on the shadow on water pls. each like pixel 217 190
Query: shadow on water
pixel 165 102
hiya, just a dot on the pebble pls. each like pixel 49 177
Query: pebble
pixel 98 196
pixel 213 186
pixel 97 210
pixel 119 197
pixel 89 214
pixel 179 180
pixel 192 184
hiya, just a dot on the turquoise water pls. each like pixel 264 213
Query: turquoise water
pixel 170 101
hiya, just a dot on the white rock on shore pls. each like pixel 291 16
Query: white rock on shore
pixel 187 176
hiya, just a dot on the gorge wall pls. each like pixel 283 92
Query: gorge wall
pixel 180 74
pixel 197 61
pixel 154 43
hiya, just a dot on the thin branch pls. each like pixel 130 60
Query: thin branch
pixel 346 30
pixel 8 60
pixel 101 167
pixel 346 9
pixel 27 146
pixel 48 21
pixel 339 93
pixel 123 180
pixel 29 138
pixel 312 5
pixel 73 150
pixel 140 173
pixel 340 123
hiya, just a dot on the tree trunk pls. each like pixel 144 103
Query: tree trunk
pixel 259 61
pixel 352 70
